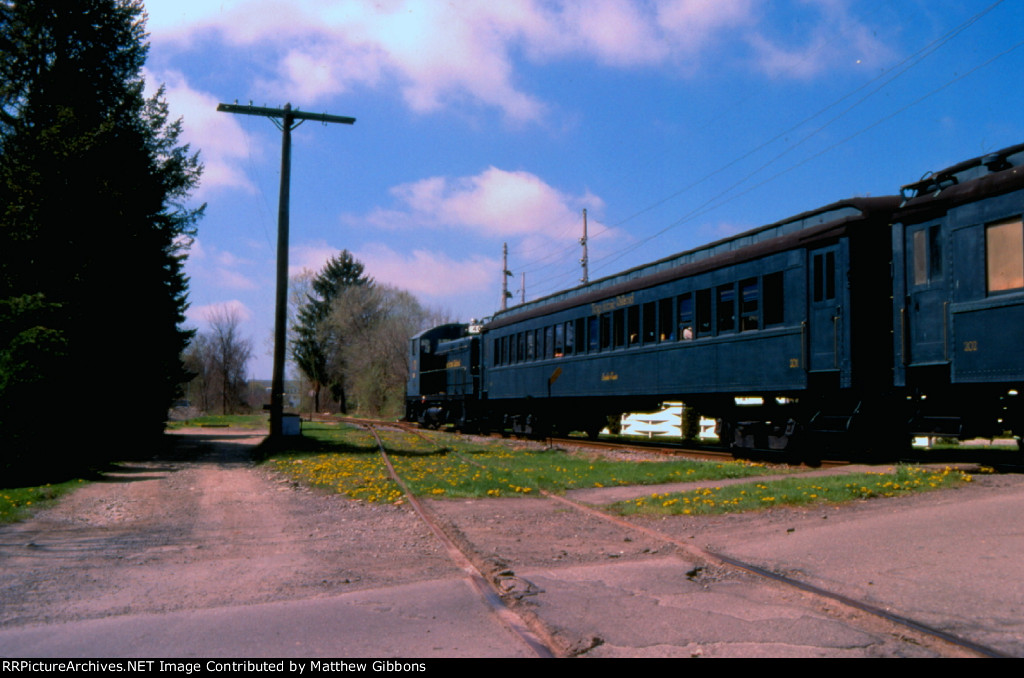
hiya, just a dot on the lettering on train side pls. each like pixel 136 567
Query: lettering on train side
pixel 611 304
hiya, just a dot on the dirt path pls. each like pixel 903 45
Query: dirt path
pixel 212 531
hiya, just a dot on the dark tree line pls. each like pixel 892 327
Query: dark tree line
pixel 93 181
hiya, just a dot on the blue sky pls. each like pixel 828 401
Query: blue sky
pixel 672 122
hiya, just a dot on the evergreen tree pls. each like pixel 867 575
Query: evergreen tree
pixel 92 225
pixel 316 346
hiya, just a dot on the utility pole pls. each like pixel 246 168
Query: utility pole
pixel 585 261
pixel 286 120
pixel 522 289
pixel 505 274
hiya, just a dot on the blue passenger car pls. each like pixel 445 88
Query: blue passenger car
pixel 958 291
pixel 768 315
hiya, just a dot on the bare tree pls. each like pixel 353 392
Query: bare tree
pixel 231 354
pixel 219 359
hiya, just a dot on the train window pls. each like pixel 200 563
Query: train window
pixel 927 247
pixel 650 323
pixel 580 337
pixel 520 347
pixel 618 328
pixel 633 326
pixel 686 316
pixel 824 266
pixel 593 335
pixel 773 295
pixel 703 312
pixel 549 342
pixel 666 322
pixel 749 299
pixel 570 338
pixel 726 308
pixel 1004 255
pixel 606 331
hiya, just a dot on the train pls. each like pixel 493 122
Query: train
pixel 868 319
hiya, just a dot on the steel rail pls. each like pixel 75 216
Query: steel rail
pixel 735 563
pixel 510 619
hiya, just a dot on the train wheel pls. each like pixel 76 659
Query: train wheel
pixel 738 435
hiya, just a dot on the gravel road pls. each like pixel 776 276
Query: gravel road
pixel 204 530
pixel 211 531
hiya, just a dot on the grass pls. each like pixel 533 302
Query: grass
pixel 794 492
pixel 347 463
pixel 249 421
pixel 20 502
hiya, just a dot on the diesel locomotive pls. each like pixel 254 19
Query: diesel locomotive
pixel 866 319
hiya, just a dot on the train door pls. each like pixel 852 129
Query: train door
pixel 825 339
pixel 925 323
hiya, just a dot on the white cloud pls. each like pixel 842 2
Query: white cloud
pixel 467 286
pixel 309 257
pixel 496 203
pixel 226 278
pixel 436 50
pixel 692 23
pixel 219 268
pixel 218 136
pixel 615 31
pixel 430 274
pixel 440 53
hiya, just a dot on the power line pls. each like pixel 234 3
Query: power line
pixel 707 206
pixel 889 76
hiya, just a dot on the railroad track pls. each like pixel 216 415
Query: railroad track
pixel 691 452
pixel 543 642
pixel 659 447
pixel 540 644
